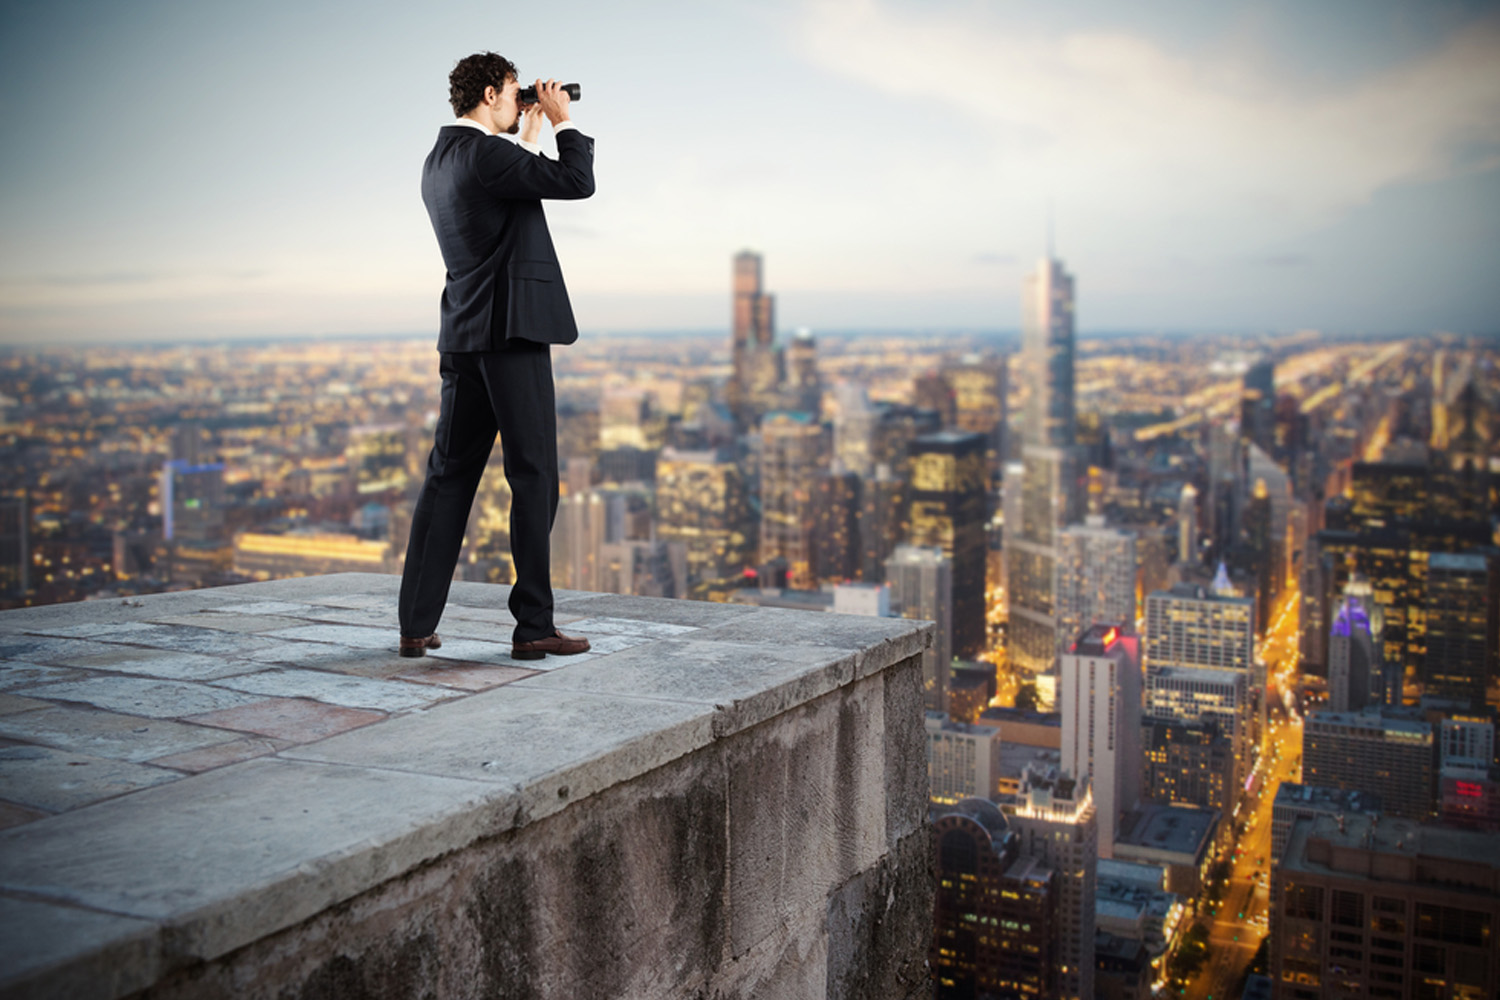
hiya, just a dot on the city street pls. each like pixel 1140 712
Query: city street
pixel 1238 922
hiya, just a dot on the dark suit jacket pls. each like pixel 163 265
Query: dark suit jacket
pixel 483 194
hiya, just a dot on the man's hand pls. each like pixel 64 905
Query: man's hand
pixel 553 101
pixel 531 123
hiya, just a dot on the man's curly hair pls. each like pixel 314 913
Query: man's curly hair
pixel 472 74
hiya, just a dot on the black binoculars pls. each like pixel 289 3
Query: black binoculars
pixel 527 95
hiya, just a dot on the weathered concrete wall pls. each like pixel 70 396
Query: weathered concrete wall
pixel 783 860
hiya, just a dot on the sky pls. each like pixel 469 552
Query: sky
pixel 205 170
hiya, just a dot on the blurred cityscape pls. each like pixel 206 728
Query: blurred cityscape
pixel 1211 706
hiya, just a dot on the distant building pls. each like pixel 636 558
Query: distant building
pixel 994 921
pixel 950 485
pixel 376 454
pixel 264 556
pixel 873 599
pixel 702 502
pixel 1122 968
pixel 1099 694
pixel 1054 815
pixel 1294 802
pixel 754 378
pixel 15 548
pixel 1181 839
pixel 963 761
pixel 794 449
pixel 1189 763
pixel 1356 665
pixel 835 538
pixel 921 583
pixel 1131 901
pixel 1461 627
pixel 1096 573
pixel 1383 751
pixel 804 389
pixel 1373 906
pixel 971 687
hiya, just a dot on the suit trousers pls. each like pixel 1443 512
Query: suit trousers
pixel 508 391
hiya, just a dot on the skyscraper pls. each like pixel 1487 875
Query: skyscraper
pixel 1096 572
pixel 1050 495
pixel 921 582
pixel 1099 694
pixel 15 552
pixel 701 501
pixel 1460 627
pixel 1061 826
pixel 950 484
pixel 1356 668
pixel 1047 343
pixel 804 388
pixel 794 448
pixel 1200 663
pixel 754 378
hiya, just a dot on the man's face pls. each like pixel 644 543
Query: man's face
pixel 506 111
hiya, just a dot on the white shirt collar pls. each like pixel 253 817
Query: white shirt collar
pixel 530 147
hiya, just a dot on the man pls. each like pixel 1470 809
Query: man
pixel 504 303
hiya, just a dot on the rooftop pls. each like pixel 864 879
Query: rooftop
pixel 1182 830
pixel 186 775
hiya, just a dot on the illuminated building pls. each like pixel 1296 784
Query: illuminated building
pixel 921 582
pixel 1258 405
pixel 1382 751
pixel 835 538
pixel 585 523
pixel 1096 572
pixel 1187 525
pixel 1461 627
pixel 309 553
pixel 1468 780
pixel 1373 906
pixel 933 391
pixel 754 379
pixel 1122 968
pixel 971 688
pixel 1050 501
pixel 1294 801
pixel 1200 663
pixel 1189 763
pixel 1047 340
pixel 854 428
pixel 376 454
pixel 1356 668
pixel 963 760
pixel 949 489
pixel 1055 817
pixel 978 388
pixel 1051 467
pixel 896 428
pixel 15 552
pixel 192 502
pixel 1099 695
pixel 793 449
pixel 882 522
pixel 804 389
pixel 1178 838
pixel 644 568
pixel 702 502
pixel 994 913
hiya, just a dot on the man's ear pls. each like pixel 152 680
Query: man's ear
pixel 491 95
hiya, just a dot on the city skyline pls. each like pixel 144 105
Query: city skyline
pixel 1268 168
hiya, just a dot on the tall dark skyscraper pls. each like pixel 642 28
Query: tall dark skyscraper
pixel 1051 467
pixel 949 485
pixel 753 345
pixel 1258 406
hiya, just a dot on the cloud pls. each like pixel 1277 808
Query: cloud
pixel 1106 114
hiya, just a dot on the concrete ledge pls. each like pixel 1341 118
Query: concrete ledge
pixel 720 801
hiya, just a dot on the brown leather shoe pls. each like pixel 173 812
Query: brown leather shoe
pixel 557 644
pixel 417 647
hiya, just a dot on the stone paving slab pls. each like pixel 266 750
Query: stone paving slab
pixel 155 699
pixel 57 780
pixel 223 622
pixel 250 848
pixel 741 683
pixel 221 754
pixel 464 676
pixel 50 651
pixel 544 747
pixel 334 689
pixel 166 665
pixel 342 635
pixel 10 704
pixel 12 814
pixel 15 674
pixel 292 719
pixel 107 734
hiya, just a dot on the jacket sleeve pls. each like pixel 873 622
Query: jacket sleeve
pixel 509 171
